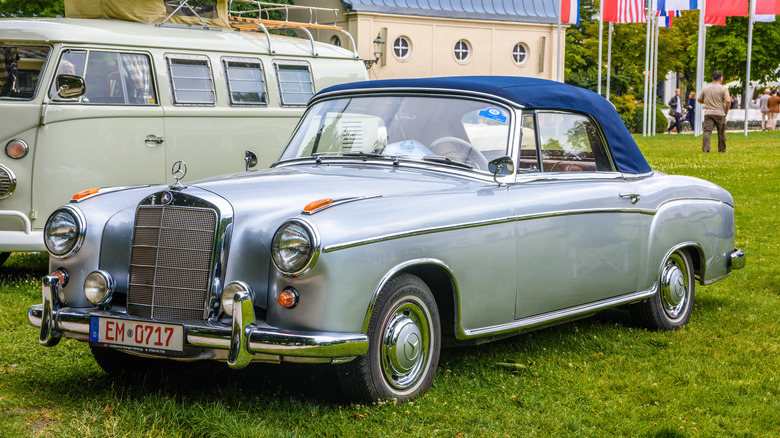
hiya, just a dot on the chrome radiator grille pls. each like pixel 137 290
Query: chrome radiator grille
pixel 170 264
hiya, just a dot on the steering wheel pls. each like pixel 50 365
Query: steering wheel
pixel 459 150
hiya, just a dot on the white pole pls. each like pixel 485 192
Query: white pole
pixel 609 59
pixel 601 32
pixel 645 111
pixel 655 72
pixel 700 71
pixel 558 73
pixel 746 100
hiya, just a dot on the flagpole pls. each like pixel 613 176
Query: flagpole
pixel 558 74
pixel 746 102
pixel 601 32
pixel 655 72
pixel 609 59
pixel 700 70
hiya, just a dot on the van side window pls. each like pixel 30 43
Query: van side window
pixel 571 143
pixel 295 83
pixel 21 68
pixel 191 81
pixel 245 82
pixel 111 78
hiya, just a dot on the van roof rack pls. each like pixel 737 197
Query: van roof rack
pixel 259 19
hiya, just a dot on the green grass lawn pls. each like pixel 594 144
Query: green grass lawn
pixel 600 377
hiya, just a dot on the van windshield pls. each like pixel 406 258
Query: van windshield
pixel 21 69
pixel 460 131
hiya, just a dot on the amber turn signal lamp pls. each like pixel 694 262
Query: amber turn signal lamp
pixel 288 298
pixel 314 205
pixel 16 148
pixel 84 193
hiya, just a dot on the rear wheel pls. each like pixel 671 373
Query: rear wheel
pixel 404 344
pixel 670 308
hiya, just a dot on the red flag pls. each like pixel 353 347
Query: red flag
pixel 714 20
pixel 767 7
pixel 731 8
pixel 624 11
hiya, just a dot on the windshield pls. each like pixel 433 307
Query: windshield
pixel 458 131
pixel 21 68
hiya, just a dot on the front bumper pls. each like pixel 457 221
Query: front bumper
pixel 737 259
pixel 247 339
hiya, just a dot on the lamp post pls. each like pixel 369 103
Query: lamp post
pixel 379 45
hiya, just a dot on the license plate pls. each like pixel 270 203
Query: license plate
pixel 141 336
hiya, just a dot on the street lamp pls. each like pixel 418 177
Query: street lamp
pixel 379 45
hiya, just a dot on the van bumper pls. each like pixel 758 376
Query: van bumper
pixel 22 241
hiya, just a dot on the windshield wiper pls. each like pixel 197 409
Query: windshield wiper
pixel 445 160
pixel 362 154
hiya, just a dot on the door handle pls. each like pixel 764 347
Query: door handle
pixel 634 197
pixel 152 140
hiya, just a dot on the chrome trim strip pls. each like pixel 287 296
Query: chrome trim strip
pixel 557 316
pixel 262 339
pixel 465 225
pixel 336 202
pixel 392 273
pixel 373 92
pixel 705 283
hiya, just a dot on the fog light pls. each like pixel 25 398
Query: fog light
pixel 288 298
pixel 99 287
pixel 228 292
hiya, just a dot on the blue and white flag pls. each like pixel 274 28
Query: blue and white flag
pixel 677 5
pixel 665 17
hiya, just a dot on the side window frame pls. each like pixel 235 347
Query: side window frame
pixel 224 61
pixel 598 131
pixel 537 148
pixel 168 57
pixel 280 90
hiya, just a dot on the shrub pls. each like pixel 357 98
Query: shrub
pixel 661 122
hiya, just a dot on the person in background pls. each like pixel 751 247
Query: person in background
pixel 773 104
pixel 675 110
pixel 716 100
pixel 764 110
pixel 690 109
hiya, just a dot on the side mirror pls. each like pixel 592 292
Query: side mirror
pixel 250 159
pixel 501 167
pixel 70 86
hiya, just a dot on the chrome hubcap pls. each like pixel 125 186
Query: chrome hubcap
pixel 405 342
pixel 674 286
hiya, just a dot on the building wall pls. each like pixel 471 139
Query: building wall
pixel 433 42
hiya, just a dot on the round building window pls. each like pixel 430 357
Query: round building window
pixel 402 48
pixel 520 53
pixel 462 51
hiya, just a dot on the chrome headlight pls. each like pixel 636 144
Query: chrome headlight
pixel 98 287
pixel 64 232
pixel 295 247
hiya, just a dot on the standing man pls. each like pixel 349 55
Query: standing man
pixel 773 103
pixel 716 100
pixel 762 103
pixel 675 110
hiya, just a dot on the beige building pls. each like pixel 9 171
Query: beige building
pixel 513 38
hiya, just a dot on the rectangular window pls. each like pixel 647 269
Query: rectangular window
pixel 529 158
pixel 191 80
pixel 571 143
pixel 295 83
pixel 245 82
pixel 21 68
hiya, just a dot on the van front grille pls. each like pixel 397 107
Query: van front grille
pixel 170 263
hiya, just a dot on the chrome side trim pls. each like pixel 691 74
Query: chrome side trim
pixel 392 273
pixel 337 202
pixel 422 231
pixel 557 316
pixel 373 92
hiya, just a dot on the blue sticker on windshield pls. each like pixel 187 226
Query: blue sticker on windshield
pixel 493 113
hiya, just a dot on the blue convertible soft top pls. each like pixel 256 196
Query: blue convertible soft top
pixel 533 93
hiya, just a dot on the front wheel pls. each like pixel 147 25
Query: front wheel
pixel 670 308
pixel 404 344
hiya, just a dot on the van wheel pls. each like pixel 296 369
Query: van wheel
pixel 404 344
pixel 670 308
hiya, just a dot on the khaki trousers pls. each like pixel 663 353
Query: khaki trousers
pixel 714 122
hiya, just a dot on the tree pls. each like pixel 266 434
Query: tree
pixel 32 8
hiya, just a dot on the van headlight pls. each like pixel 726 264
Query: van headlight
pixel 295 247
pixel 64 232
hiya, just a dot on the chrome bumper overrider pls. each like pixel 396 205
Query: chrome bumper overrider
pixel 246 338
pixel 737 259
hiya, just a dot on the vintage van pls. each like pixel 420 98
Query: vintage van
pixel 152 95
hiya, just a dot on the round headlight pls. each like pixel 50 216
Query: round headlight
pixel 294 248
pixel 98 287
pixel 64 232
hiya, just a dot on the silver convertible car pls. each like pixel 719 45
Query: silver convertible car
pixel 403 215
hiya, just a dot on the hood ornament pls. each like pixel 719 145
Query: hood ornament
pixel 178 170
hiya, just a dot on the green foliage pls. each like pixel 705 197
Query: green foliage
pixel 598 377
pixel 32 8
pixel 635 127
